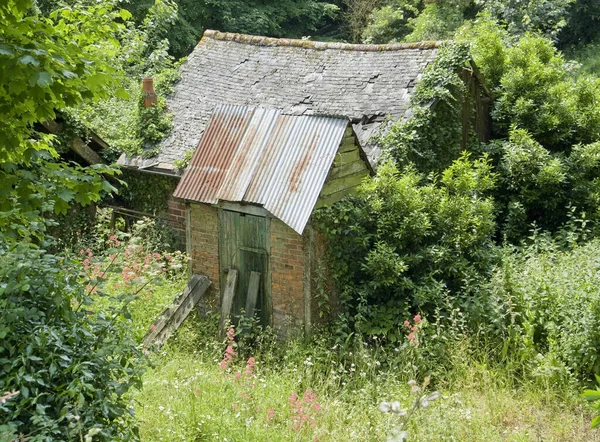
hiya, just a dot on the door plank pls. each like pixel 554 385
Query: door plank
pixel 227 302
pixel 253 287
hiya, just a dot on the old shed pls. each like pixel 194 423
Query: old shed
pixel 278 128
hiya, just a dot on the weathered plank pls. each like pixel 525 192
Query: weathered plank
pixel 347 145
pixel 172 317
pixel 253 287
pixel 334 197
pixel 347 169
pixel 227 302
pixel 346 157
pixel 340 184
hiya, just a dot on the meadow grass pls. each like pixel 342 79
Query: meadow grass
pixel 187 397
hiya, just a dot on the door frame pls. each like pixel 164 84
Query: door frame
pixel 258 212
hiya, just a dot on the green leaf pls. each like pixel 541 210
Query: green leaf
pixel 592 395
pixel 125 14
pixel 44 79
pixel 122 94
pixel 28 59
pixel 595 422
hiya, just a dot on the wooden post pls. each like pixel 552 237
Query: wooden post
pixel 227 301
pixel 253 287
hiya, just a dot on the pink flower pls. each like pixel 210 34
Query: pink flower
pixel 411 336
pixel 406 324
pixel 270 415
pixel 417 319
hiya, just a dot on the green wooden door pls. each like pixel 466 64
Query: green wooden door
pixel 243 245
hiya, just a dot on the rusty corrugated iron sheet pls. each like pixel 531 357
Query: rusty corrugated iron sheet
pixel 260 156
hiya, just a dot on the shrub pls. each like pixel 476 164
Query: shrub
pixel 72 368
pixel 405 242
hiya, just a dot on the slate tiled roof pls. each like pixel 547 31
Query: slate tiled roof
pixel 363 83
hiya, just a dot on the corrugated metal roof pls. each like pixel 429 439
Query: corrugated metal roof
pixel 260 156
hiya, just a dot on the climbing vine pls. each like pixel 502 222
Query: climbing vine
pixel 431 138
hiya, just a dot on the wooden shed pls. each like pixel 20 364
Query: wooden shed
pixel 250 190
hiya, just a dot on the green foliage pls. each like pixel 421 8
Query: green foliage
pixel 33 193
pixel 416 20
pixel 437 21
pixel 547 305
pixel 147 193
pixel 583 24
pixel 72 369
pixel 431 138
pixel 402 244
pixel 594 396
pixel 390 22
pixel 538 93
pixel 487 41
pixel 545 16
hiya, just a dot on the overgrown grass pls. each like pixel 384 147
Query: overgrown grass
pixel 187 397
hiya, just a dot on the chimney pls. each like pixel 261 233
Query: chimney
pixel 148 90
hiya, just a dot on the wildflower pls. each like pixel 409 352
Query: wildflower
pixel 396 409
pixel 270 415
pixel 385 407
pixel 406 324
pixel 414 387
pixel 417 319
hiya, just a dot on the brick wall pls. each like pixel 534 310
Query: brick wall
pixel 287 277
pixel 205 247
pixel 176 218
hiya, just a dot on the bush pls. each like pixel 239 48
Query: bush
pixel 72 369
pixel 404 242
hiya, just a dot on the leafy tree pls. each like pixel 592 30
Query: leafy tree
pixel 71 369
pixel 545 16
pixel 415 20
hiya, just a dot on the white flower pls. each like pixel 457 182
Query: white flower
pixel 399 436
pixel 433 396
pixel 397 409
pixel 385 407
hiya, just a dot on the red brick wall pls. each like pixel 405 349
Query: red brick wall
pixel 176 217
pixel 205 246
pixel 287 276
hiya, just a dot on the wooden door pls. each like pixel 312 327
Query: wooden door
pixel 243 245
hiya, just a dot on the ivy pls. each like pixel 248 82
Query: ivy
pixel 146 192
pixel 431 137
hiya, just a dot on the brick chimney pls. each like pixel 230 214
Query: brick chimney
pixel 149 94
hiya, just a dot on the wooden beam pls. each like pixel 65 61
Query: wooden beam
pixel 173 316
pixel 252 297
pixel 227 301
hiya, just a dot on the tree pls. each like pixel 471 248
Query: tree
pixel 47 64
